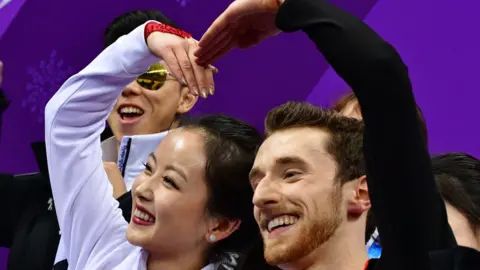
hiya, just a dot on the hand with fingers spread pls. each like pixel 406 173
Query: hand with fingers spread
pixel 178 54
pixel 243 24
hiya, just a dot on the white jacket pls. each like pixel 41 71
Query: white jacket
pixel 92 226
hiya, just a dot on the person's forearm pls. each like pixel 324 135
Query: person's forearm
pixel 352 48
pixel 395 152
pixel 74 119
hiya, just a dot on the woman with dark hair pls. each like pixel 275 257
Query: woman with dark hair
pixel 192 201
pixel 458 180
pixel 457 176
pixel 148 107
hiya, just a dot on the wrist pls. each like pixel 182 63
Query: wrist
pixel 152 27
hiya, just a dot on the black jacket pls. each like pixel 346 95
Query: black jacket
pixel 3 106
pixel 409 212
pixel 31 228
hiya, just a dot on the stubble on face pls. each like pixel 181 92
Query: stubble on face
pixel 312 234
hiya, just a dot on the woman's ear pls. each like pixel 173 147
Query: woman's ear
pixel 221 229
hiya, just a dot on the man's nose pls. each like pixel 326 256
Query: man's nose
pixel 132 89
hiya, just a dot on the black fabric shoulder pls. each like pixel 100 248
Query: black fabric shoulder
pixel 6 226
pixel 125 204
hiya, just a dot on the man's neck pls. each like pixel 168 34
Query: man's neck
pixel 344 251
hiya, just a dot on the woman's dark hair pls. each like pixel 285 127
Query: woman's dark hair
pixel 458 180
pixel 457 176
pixel 127 22
pixel 230 147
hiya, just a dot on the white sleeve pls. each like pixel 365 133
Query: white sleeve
pixel 89 218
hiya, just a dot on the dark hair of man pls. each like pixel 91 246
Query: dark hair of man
pixel 346 142
pixel 230 147
pixel 458 180
pixel 346 134
pixel 127 22
pixel 348 98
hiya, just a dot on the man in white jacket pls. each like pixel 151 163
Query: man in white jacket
pixel 147 109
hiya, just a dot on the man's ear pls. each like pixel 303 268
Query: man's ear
pixel 186 102
pixel 359 202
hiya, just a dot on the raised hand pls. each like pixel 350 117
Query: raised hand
pixel 243 24
pixel 115 178
pixel 177 53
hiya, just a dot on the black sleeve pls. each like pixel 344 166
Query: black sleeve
pixel 6 226
pixel 410 213
pixel 3 106
pixel 16 193
pixel 4 102
pixel 6 182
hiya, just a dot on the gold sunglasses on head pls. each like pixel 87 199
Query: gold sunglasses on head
pixel 155 77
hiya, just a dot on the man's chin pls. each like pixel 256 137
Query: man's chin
pixel 131 131
pixel 289 247
pixel 278 253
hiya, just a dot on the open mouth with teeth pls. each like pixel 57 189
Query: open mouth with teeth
pixel 142 217
pixel 280 224
pixel 130 112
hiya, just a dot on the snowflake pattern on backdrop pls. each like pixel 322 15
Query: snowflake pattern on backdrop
pixel 183 3
pixel 45 81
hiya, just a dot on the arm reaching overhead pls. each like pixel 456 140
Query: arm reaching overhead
pixel 92 225
pixel 397 159
pixel 74 119
pixel 409 211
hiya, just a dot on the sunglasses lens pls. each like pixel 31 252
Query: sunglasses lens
pixel 150 83
pixel 154 78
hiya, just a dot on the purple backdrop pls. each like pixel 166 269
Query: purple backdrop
pixel 44 42
pixel 435 40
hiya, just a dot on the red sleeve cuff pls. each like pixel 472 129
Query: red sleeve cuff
pixel 160 27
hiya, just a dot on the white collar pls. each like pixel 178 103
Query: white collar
pixel 134 151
